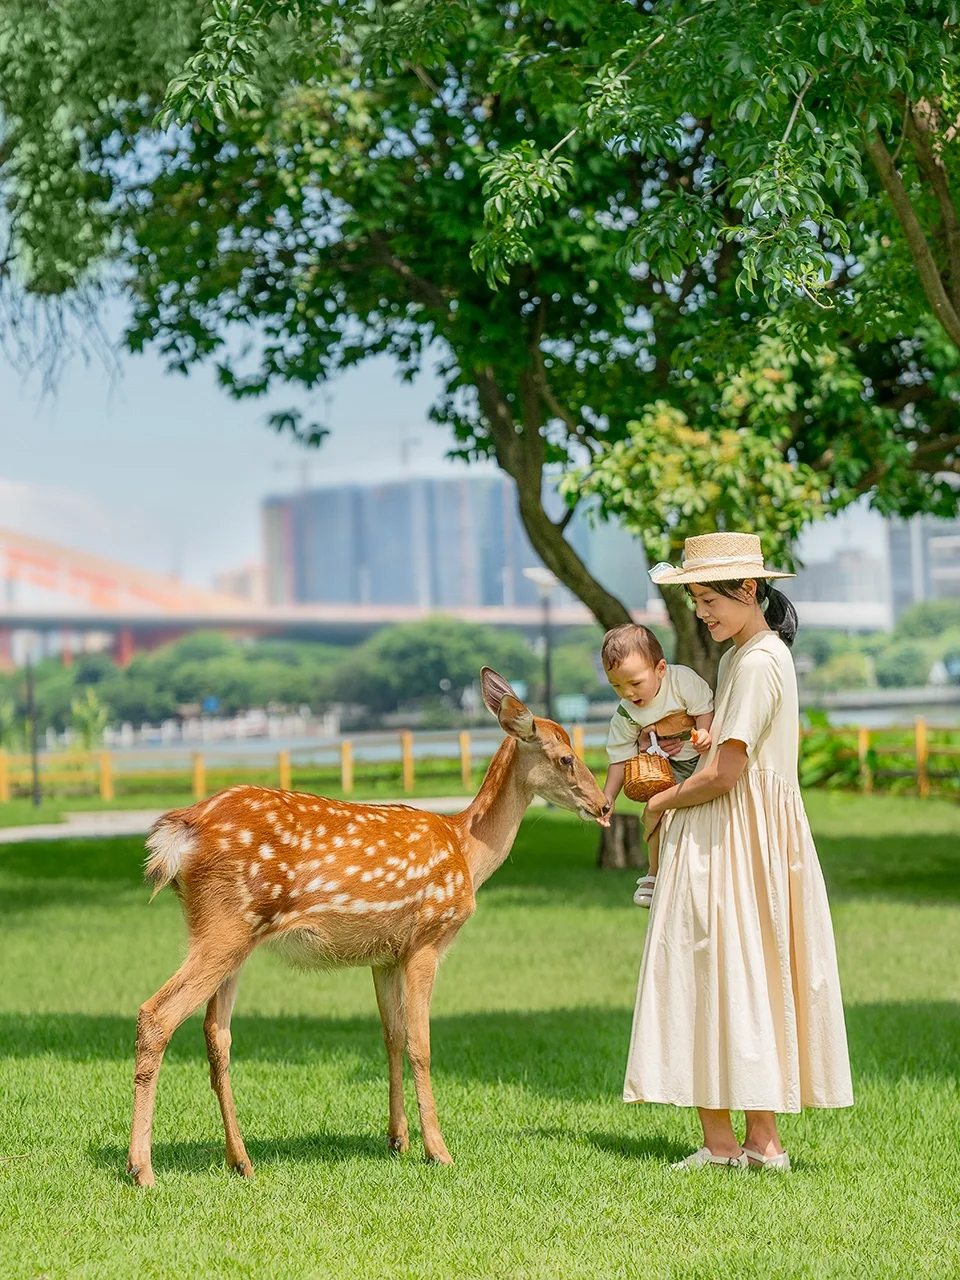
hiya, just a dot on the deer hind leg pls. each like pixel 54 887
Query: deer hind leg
pixel 216 1031
pixel 388 981
pixel 194 982
pixel 421 969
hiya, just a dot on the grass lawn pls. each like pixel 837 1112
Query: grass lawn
pixel 554 1176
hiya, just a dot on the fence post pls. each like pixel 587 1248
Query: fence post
pixel 106 776
pixel 920 744
pixel 4 778
pixel 406 756
pixel 466 764
pixel 346 767
pixel 283 761
pixel 863 748
pixel 578 740
pixel 199 777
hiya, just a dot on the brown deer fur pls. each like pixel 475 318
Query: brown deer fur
pixel 333 884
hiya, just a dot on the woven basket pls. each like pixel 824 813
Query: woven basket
pixel 645 776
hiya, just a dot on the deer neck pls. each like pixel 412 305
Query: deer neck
pixel 489 825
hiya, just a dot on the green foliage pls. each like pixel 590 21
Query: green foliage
pixel 842 671
pixel 338 167
pixel 902 665
pixel 89 717
pixel 928 619
pixel 668 481
pixel 404 664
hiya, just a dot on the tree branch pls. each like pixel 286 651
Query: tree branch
pixel 927 269
pixel 424 291
pixel 932 167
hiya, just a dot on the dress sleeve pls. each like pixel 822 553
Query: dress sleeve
pixel 622 737
pixel 756 692
pixel 696 693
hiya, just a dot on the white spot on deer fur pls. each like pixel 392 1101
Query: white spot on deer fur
pixel 223 843
pixel 340 898
pixel 285 837
pixel 266 852
pixel 350 828
pixel 254 868
pixel 294 893
pixel 246 837
pixel 305 842
pixel 271 815
pixel 290 874
pixel 352 870
pixel 391 875
pixel 251 917
pixel 275 892
pixel 321 830
pixel 361 817
pixel 367 875
pixel 459 879
pixel 224 826
pixel 331 857
pixel 414 835
pixel 338 842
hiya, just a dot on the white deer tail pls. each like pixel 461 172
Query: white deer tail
pixel 170 843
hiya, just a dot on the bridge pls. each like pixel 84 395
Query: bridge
pixel 140 609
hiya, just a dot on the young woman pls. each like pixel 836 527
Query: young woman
pixel 738 1006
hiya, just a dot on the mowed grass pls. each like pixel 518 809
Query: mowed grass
pixel 555 1177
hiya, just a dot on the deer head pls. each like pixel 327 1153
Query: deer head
pixel 548 764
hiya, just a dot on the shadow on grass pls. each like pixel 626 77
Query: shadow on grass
pixel 552 864
pixel 203 1157
pixel 572 1053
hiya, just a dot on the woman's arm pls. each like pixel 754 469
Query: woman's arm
pixel 716 779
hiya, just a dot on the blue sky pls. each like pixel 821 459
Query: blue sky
pixel 166 472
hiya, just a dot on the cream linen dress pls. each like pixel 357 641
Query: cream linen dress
pixel 739 999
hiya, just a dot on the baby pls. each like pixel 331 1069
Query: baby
pixel 652 693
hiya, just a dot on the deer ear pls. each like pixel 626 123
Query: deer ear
pixel 494 689
pixel 516 719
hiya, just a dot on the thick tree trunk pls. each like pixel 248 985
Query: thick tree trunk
pixel 695 648
pixel 520 453
pixel 620 844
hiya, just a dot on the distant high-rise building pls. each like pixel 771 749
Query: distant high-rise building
pixel 436 543
pixel 924 560
pixel 850 575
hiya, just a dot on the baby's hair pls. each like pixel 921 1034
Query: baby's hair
pixel 629 638
pixel 779 612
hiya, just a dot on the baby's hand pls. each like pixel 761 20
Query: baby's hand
pixel 701 740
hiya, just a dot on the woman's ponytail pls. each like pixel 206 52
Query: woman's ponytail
pixel 779 612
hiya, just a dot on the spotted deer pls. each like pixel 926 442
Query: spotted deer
pixel 332 885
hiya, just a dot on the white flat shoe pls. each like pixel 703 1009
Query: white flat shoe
pixel 700 1159
pixel 644 892
pixel 781 1161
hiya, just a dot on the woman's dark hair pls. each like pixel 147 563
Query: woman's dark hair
pixel 780 614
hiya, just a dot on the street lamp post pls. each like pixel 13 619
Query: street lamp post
pixel 32 719
pixel 545 582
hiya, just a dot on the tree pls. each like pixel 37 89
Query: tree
pixel 334 218
pixel 89 718
pixel 404 665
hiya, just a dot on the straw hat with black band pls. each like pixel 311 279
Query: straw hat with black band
pixel 717 557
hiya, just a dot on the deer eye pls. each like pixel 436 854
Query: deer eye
pixel 567 761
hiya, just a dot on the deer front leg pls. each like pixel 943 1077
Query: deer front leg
pixel 216 1030
pixel 388 982
pixel 193 983
pixel 421 969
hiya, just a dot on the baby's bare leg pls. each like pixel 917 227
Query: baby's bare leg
pixel 653 852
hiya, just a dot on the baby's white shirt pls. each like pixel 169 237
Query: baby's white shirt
pixel 680 690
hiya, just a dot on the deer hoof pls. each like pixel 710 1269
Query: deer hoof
pixel 244 1168
pixel 398 1143
pixel 442 1156
pixel 141 1177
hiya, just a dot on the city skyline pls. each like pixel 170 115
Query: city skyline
pixel 168 474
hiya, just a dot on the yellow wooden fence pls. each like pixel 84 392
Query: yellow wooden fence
pixel 96 772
